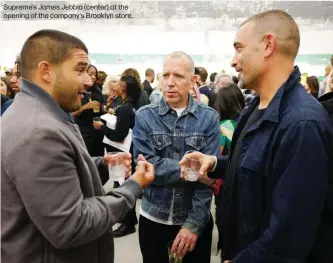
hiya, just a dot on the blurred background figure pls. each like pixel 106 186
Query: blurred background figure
pixel 150 77
pixel 144 98
pixel 112 88
pixel 222 80
pixel 92 106
pixel 6 92
pixel 312 86
pixel 157 94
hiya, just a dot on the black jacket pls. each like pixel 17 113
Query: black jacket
pixel 327 101
pixel 147 87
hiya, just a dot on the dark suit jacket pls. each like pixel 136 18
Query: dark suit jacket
pixel 147 87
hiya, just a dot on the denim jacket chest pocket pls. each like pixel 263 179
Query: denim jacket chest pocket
pixel 252 176
pixel 195 142
pixel 160 140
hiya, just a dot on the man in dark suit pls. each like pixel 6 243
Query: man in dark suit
pixel 150 76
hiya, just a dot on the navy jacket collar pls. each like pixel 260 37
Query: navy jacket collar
pixel 273 109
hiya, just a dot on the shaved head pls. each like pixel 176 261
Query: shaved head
pixel 282 26
pixel 181 54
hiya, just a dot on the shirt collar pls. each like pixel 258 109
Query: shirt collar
pixel 273 109
pixel 192 107
pixel 33 90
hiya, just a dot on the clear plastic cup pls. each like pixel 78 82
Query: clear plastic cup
pixel 117 170
pixel 192 168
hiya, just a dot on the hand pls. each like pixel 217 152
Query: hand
pixel 207 162
pixel 184 242
pixel 226 261
pixel 145 173
pixel 212 183
pixel 98 124
pixel 91 105
pixel 123 158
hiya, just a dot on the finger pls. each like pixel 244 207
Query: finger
pixel 141 158
pixel 204 167
pixel 181 250
pixel 175 245
pixel 192 246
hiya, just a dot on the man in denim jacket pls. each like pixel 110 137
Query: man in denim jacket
pixel 175 213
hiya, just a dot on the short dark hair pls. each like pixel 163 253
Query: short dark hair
pixel 149 71
pixel 133 89
pixel 202 72
pixel 235 80
pixel 229 102
pixel 50 45
pixel 313 84
pixel 283 25
pixel 212 77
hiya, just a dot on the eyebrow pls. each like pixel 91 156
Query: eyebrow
pixel 81 64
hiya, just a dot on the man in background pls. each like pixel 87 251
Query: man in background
pixel 150 77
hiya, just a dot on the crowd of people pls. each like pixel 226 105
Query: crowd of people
pixel 263 140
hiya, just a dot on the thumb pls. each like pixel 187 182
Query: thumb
pixel 141 168
pixel 141 158
pixel 204 168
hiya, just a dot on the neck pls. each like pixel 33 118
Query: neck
pixel 123 96
pixel 148 80
pixel 270 83
pixel 178 105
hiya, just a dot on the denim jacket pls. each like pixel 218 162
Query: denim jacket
pixel 285 161
pixel 163 139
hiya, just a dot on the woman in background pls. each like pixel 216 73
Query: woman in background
pixel 92 106
pixel 129 93
pixel 312 86
pixel 144 99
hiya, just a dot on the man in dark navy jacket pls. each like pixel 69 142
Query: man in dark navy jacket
pixel 278 176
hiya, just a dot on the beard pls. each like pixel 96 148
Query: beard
pixel 66 96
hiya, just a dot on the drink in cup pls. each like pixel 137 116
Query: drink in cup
pixel 117 170
pixel 192 168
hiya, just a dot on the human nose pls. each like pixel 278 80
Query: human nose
pixel 87 80
pixel 234 61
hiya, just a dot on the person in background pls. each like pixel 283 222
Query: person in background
pixel 14 84
pixel 5 90
pixel 144 98
pixel 101 77
pixel 222 80
pixel 53 205
pixel 113 96
pixel 211 85
pixel 150 77
pixel 129 93
pixel 157 94
pixel 324 85
pixel 91 107
pixel 327 99
pixel 312 86
pixel 202 74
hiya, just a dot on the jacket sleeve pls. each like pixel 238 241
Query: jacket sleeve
pixel 301 165
pixel 167 171
pixel 199 215
pixel 221 168
pixel 48 182
pixel 119 134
